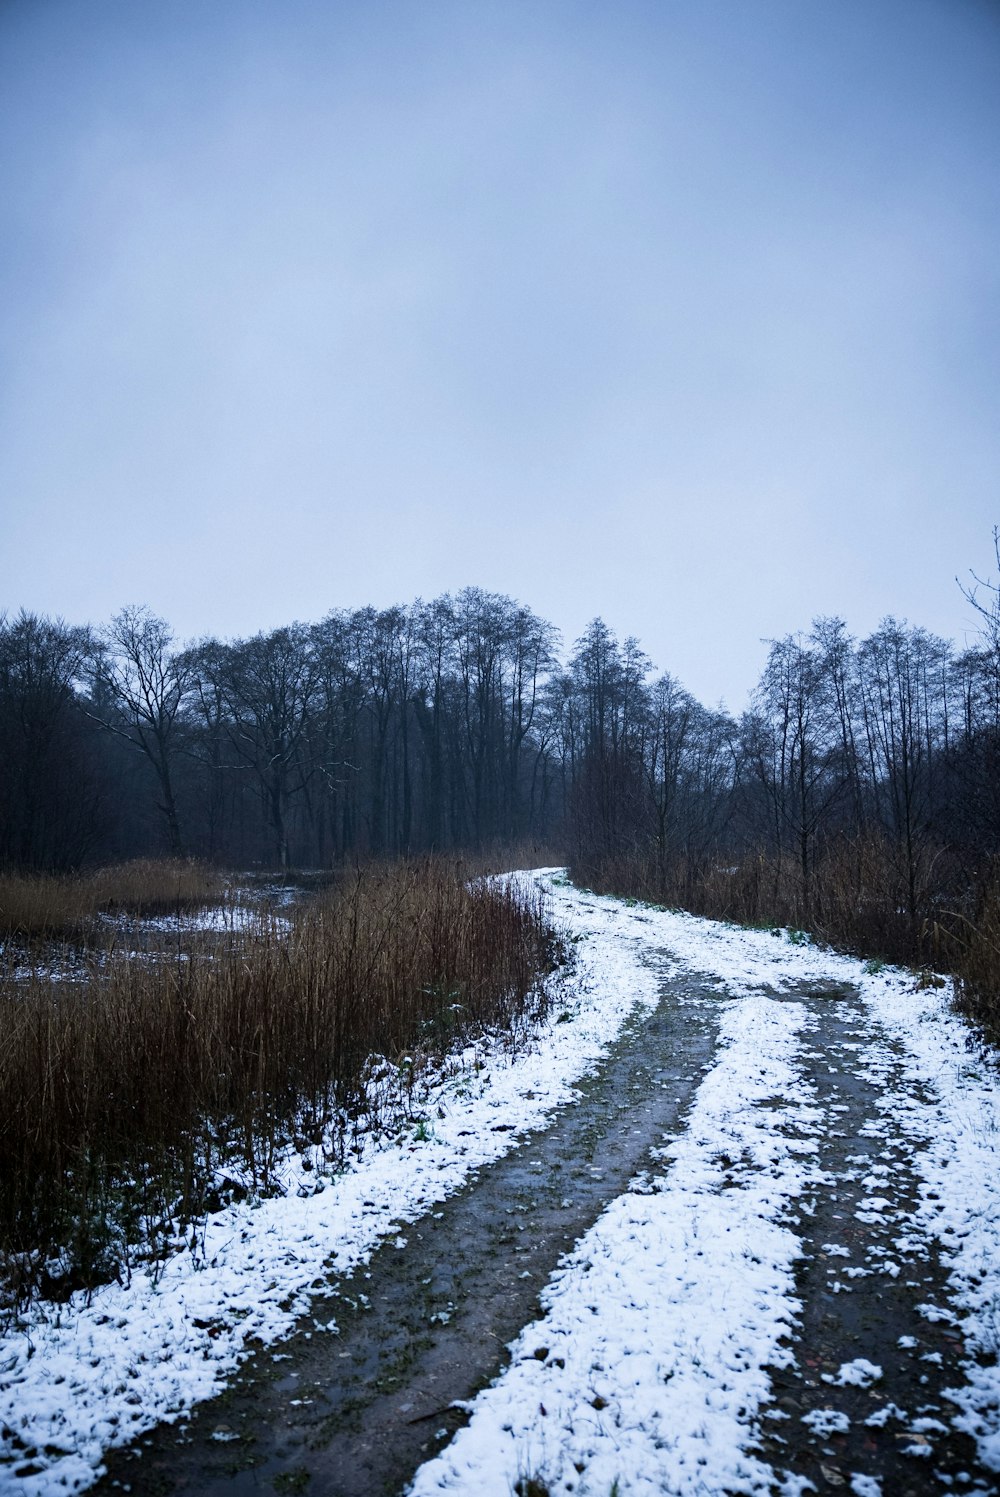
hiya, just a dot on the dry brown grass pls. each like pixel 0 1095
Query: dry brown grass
pixel 978 965
pixel 123 1097
pixel 53 907
pixel 857 901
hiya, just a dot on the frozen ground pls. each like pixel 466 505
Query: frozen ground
pixel 668 1330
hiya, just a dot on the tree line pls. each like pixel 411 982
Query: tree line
pixel 863 773
pixel 425 727
pixel 891 742
pixel 857 797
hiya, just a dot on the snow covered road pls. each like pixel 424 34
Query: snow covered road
pixel 791 1275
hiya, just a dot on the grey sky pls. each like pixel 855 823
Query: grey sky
pixel 684 313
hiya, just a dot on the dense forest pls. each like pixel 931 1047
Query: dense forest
pixel 427 727
pixel 859 793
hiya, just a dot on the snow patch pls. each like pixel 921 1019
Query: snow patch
pixel 857 1374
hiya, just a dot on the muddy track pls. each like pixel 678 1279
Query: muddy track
pixel 427 1322
pixel 861 1279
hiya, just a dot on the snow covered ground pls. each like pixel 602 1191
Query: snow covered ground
pixel 645 1373
pixel 648 1365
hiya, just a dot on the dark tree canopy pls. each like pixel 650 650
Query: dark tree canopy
pixel 455 724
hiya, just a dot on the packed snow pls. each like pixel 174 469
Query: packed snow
pixel 649 1364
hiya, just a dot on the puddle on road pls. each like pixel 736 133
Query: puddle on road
pixel 425 1324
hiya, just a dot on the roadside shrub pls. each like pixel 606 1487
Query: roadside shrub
pixel 978 986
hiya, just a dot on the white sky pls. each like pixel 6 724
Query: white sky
pixel 684 313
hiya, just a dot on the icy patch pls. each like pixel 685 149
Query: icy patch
pixel 220 917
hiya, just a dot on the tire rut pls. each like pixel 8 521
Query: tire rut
pixel 426 1323
pixel 863 1277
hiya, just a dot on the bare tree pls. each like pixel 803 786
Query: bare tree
pixel 903 674
pixel 988 606
pixel 145 683
pixel 531 655
pixel 432 697
pixel 792 748
pixel 672 712
pixel 338 706
pixel 613 712
pixel 47 801
pixel 270 685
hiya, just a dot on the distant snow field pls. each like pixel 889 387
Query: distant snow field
pixel 648 1367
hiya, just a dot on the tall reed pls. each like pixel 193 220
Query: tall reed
pixel 65 907
pixel 131 1103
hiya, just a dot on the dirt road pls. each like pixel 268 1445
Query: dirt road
pixel 861 1406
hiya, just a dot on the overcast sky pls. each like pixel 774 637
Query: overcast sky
pixel 682 313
